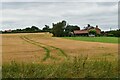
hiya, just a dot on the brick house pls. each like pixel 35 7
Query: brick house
pixel 85 31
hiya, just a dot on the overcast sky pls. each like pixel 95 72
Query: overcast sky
pixel 59 0
pixel 26 14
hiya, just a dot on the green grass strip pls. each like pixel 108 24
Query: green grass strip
pixel 114 40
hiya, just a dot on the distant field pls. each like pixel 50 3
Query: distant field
pixel 96 39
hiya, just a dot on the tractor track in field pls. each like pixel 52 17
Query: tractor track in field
pixel 31 42
pixel 48 51
pixel 60 50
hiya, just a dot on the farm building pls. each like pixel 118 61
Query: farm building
pixel 85 31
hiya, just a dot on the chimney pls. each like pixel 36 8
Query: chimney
pixel 88 25
pixel 96 26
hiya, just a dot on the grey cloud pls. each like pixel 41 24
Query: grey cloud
pixel 22 14
pixel 107 3
pixel 60 0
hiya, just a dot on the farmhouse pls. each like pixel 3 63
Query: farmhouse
pixel 85 31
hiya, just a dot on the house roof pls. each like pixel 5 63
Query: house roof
pixel 91 27
pixel 97 29
pixel 80 31
pixel 86 30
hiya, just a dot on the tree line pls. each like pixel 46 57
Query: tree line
pixel 60 29
pixel 26 30
pixel 112 33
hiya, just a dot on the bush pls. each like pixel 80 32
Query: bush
pixel 92 32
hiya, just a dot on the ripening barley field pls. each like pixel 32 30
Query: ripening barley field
pixel 39 55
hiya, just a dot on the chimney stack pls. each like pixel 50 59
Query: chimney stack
pixel 88 25
pixel 96 26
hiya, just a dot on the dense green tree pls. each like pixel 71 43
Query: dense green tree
pixel 46 29
pixel 59 29
pixel 28 29
pixel 31 29
pixel 92 32
pixel 115 33
pixel 71 28
pixel 34 28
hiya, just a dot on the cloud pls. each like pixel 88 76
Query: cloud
pixel 22 14
pixel 60 0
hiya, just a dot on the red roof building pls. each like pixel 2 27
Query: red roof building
pixel 80 32
pixel 86 30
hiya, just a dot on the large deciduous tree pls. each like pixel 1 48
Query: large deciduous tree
pixel 58 29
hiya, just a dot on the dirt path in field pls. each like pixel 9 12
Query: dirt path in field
pixel 50 50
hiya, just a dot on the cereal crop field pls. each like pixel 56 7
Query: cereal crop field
pixel 41 49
